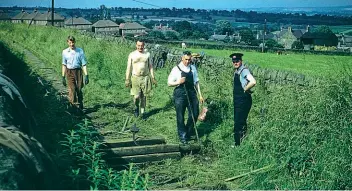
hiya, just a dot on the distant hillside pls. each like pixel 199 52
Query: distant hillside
pixel 341 10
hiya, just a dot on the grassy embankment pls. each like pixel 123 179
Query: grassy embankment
pixel 303 133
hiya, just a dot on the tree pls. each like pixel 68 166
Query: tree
pixel 223 27
pixel 246 35
pixel 182 26
pixel 119 21
pixel 297 45
pixel 156 34
pixel 171 35
pixel 185 34
pixel 323 29
pixel 271 43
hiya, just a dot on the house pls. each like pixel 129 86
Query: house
pixel 286 37
pixel 219 37
pixel 132 29
pixel 28 18
pixel 311 39
pixel 37 18
pixel 19 17
pixel 45 19
pixel 105 27
pixel 78 23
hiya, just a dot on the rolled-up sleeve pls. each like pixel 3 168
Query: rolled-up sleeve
pixel 83 59
pixel 247 75
pixel 173 76
pixel 195 74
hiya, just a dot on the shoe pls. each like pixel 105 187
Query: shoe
pixel 136 112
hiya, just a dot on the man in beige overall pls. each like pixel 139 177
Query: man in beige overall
pixel 139 76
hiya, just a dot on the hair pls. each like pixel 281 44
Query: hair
pixel 71 38
pixel 141 40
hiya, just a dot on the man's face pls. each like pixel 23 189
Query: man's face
pixel 237 63
pixel 71 44
pixel 140 46
pixel 186 60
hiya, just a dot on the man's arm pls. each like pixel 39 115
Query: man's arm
pixel 172 79
pixel 201 99
pixel 129 68
pixel 84 68
pixel 252 82
pixel 63 70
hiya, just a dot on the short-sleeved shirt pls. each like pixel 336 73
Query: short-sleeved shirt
pixel 244 73
pixel 175 73
pixel 73 59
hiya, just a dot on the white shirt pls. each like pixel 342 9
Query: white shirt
pixel 73 59
pixel 175 73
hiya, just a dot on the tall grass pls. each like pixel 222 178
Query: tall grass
pixel 303 133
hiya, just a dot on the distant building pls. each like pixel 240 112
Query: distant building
pixel 37 18
pixel 219 37
pixel 78 23
pixel 19 17
pixel 105 27
pixel 286 37
pixel 310 39
pixel 132 29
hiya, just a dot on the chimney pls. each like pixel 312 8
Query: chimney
pixel 281 28
pixel 227 33
pixel 214 32
pixel 257 36
pixel 308 28
pixel 289 29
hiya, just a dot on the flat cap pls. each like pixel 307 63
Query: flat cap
pixel 236 56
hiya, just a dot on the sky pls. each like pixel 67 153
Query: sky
pixel 196 4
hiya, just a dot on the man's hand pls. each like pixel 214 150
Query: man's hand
pixel 201 99
pixel 86 80
pixel 63 80
pixel 182 80
pixel 154 81
pixel 127 83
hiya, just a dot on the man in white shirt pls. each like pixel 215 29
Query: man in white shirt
pixel 73 63
pixel 139 76
pixel 184 77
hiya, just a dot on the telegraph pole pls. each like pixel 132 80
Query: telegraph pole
pixel 52 12
pixel 264 35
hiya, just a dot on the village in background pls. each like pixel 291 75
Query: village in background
pixel 291 30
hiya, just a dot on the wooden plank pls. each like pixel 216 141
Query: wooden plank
pixel 117 161
pixel 128 142
pixel 141 150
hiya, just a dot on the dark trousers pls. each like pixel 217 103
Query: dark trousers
pixel 75 85
pixel 242 106
pixel 181 103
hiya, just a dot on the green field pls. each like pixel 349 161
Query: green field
pixel 303 134
pixel 308 64
pixel 341 29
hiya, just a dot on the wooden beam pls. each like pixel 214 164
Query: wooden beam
pixel 141 150
pixel 143 158
pixel 128 142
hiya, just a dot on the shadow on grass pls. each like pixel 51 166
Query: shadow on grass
pixel 110 104
pixel 50 112
pixel 169 105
